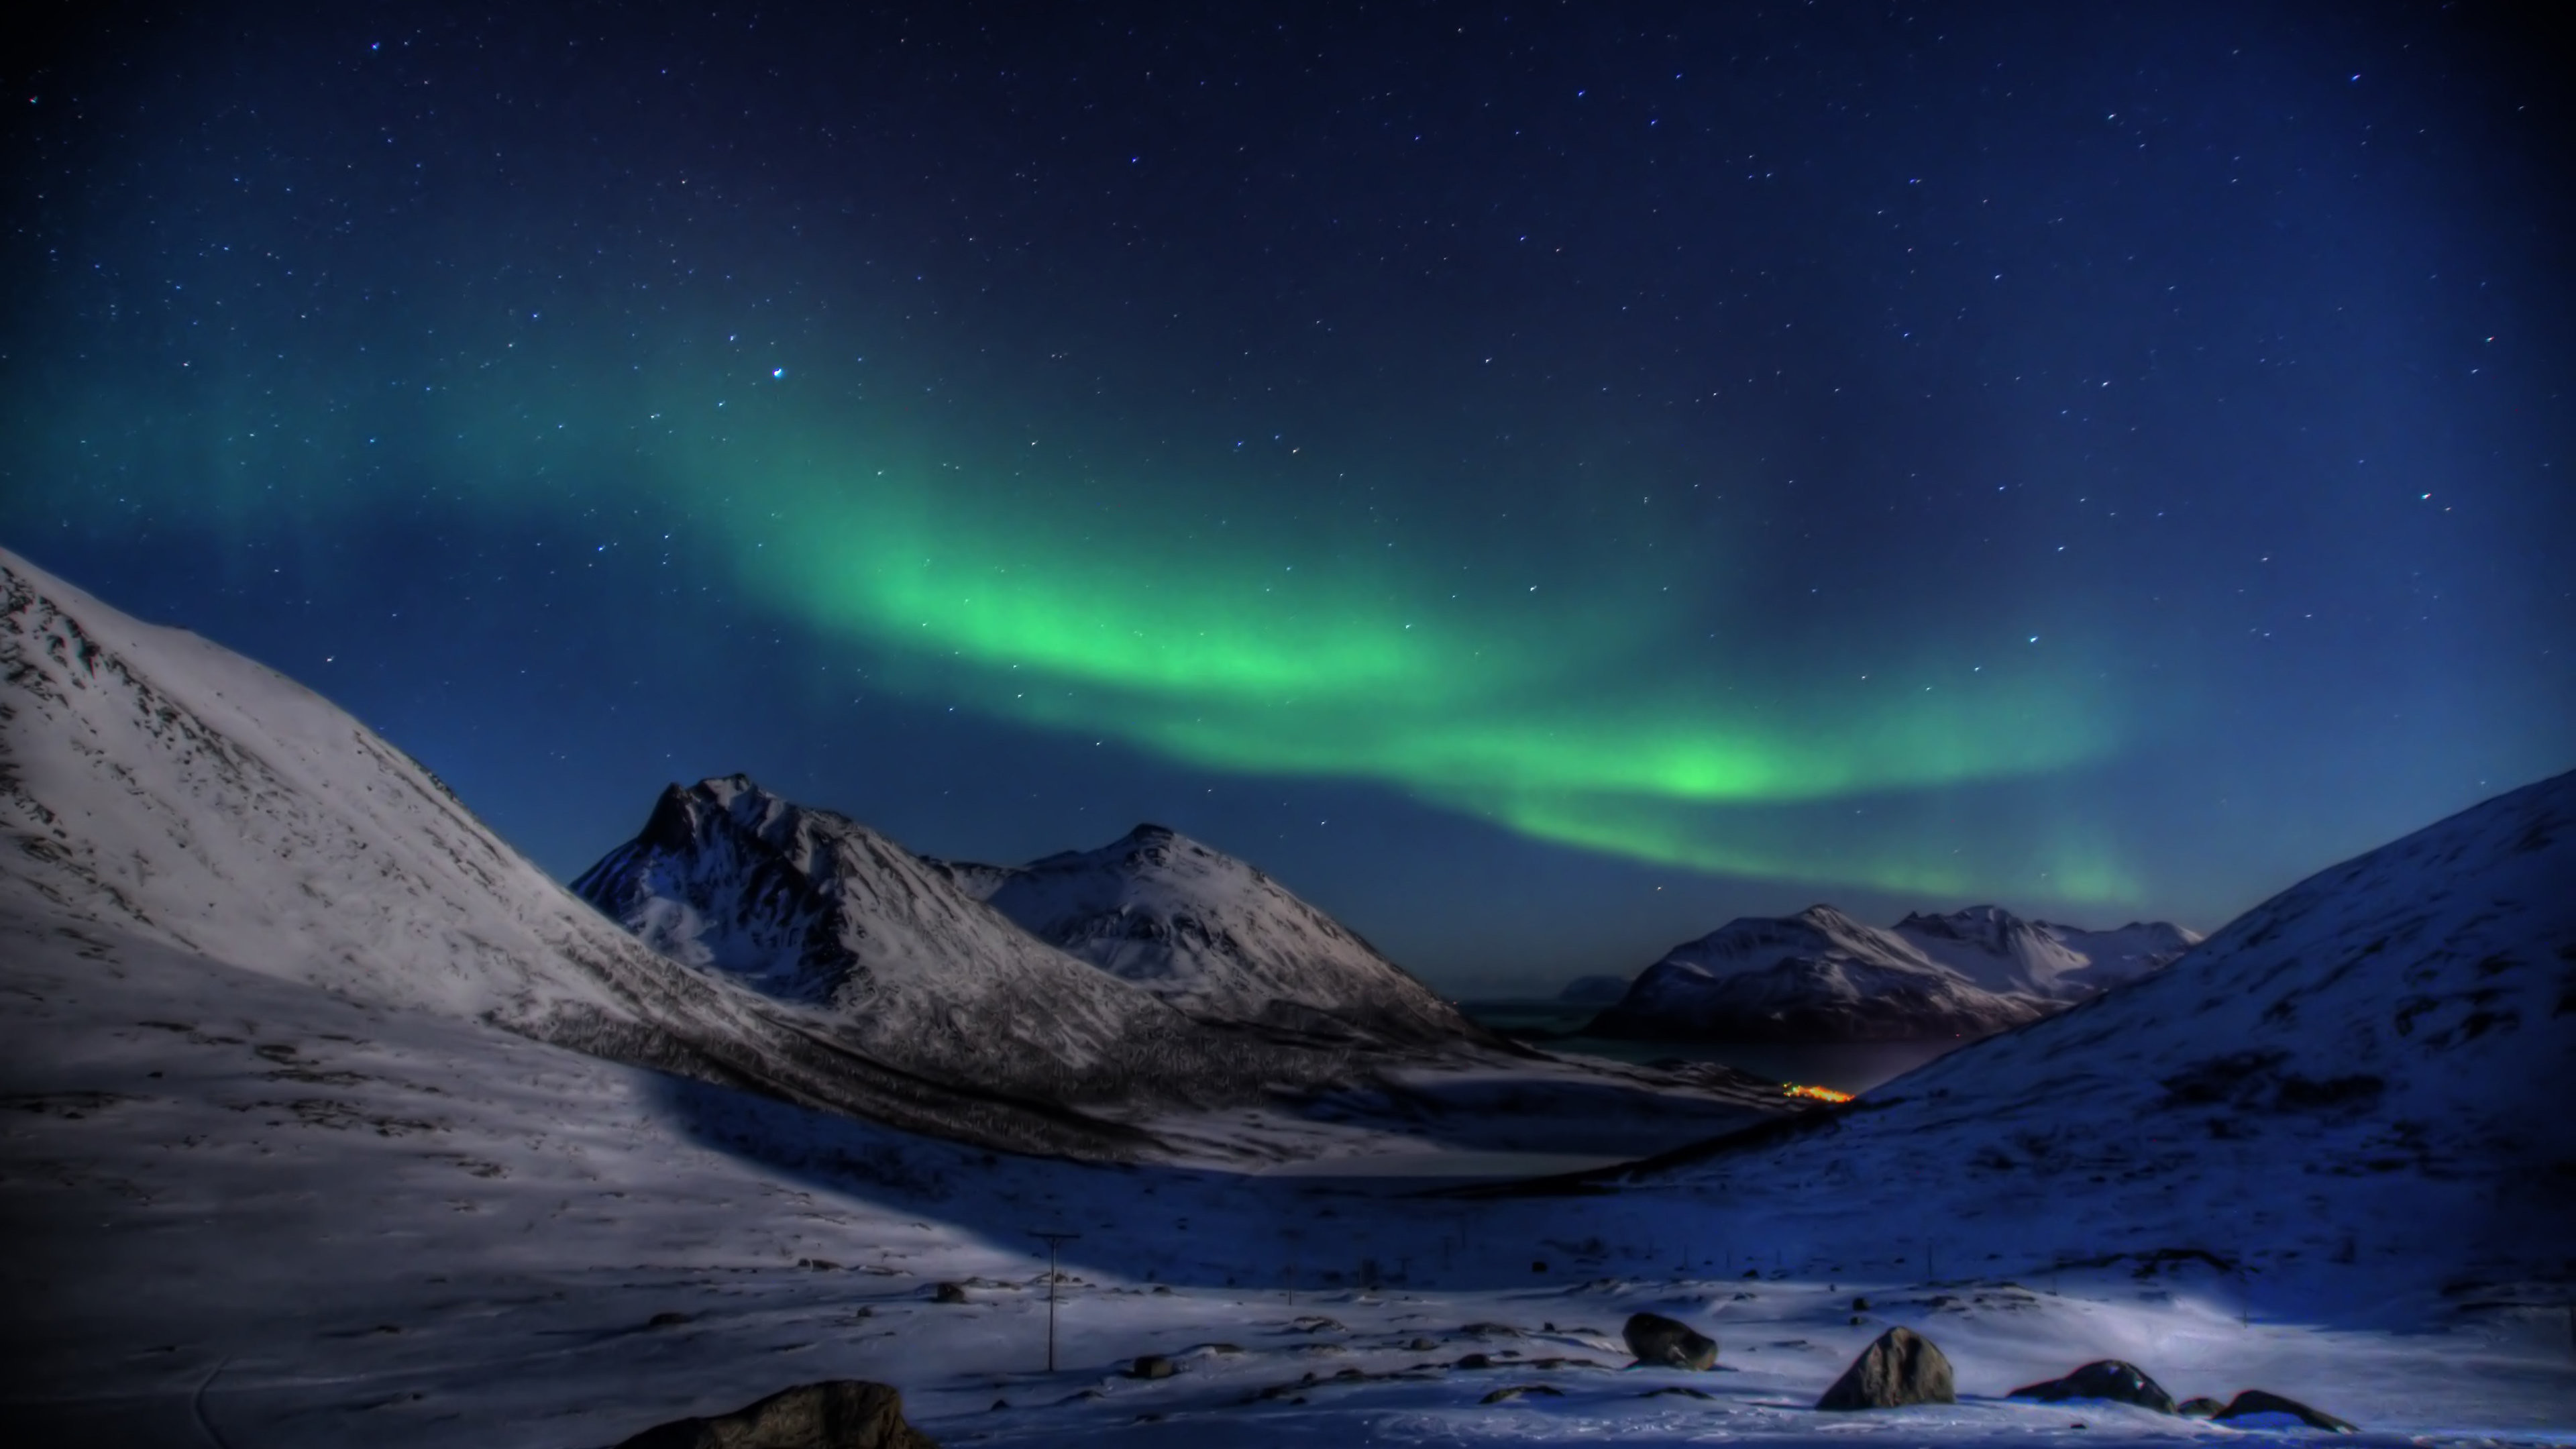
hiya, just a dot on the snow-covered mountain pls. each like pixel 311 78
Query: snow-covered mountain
pixel 157 787
pixel 1816 976
pixel 2368 1068
pixel 1214 937
pixel 2004 953
pixel 814 908
pixel 2125 953
pixel 901 955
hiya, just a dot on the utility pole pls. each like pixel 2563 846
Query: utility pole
pixel 1052 1239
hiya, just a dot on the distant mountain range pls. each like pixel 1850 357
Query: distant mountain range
pixel 2366 1073
pixel 1822 976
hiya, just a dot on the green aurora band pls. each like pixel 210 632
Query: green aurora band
pixel 1558 724
pixel 1589 712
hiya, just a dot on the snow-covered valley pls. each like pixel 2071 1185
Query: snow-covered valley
pixel 330 1119
pixel 243 1211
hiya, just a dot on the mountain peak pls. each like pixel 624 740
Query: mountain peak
pixel 1215 936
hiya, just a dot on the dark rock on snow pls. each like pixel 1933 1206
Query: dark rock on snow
pixel 948 1293
pixel 835 1414
pixel 1152 1366
pixel 2257 1401
pixel 1504 1396
pixel 1669 1343
pixel 1902 1367
pixel 2121 1383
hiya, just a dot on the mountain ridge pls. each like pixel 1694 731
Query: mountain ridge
pixel 1216 937
pixel 1824 975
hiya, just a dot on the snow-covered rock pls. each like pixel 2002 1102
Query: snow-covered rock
pixel 2004 953
pixel 1816 976
pixel 1214 937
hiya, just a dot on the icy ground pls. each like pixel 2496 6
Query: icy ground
pixel 243 1212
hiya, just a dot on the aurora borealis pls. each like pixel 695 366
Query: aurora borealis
pixel 1540 483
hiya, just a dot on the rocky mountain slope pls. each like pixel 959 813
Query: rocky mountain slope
pixel 1816 976
pixel 1214 937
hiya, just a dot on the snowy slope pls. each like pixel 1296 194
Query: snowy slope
pixel 243 1211
pixel 2004 953
pixel 2366 1073
pixel 1816 976
pixel 156 786
pixel 1214 937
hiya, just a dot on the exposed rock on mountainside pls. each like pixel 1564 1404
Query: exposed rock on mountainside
pixel 1214 937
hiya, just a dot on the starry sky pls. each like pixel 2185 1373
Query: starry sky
pixel 1541 480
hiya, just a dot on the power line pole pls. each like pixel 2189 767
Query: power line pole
pixel 1052 1239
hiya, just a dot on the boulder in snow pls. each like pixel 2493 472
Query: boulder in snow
pixel 1669 1343
pixel 2121 1383
pixel 1902 1367
pixel 2260 1405
pixel 834 1414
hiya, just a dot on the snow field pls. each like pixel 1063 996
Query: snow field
pixel 360 1223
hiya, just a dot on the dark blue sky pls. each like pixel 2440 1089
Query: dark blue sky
pixel 1540 480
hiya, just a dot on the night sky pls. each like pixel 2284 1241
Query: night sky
pixel 1540 481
